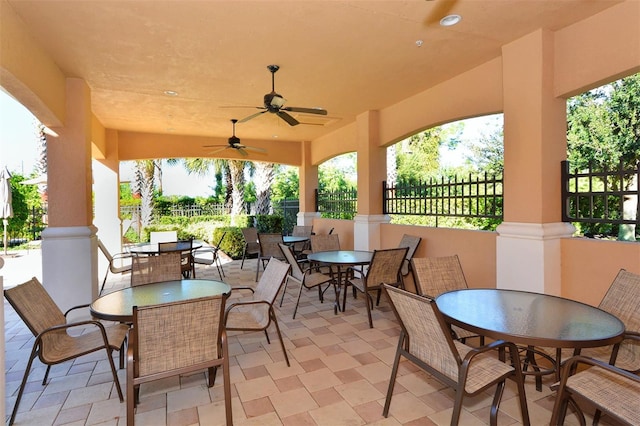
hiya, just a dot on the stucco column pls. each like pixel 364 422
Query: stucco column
pixel 308 182
pixel 372 171
pixel 528 244
pixel 69 257
pixel 107 210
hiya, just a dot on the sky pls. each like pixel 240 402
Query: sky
pixel 18 151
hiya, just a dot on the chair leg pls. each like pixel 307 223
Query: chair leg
pixel 114 372
pixel 284 290
pixel 275 321
pixel 267 334
pixel 226 385
pixel 298 301
pixel 392 380
pixel 495 406
pixel 104 281
pixel 22 385
pixel 46 375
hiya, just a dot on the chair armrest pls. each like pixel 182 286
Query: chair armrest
pixel 72 325
pixel 498 344
pixel 119 256
pixel 76 307
pixel 581 359
pixel 245 303
pixel 243 288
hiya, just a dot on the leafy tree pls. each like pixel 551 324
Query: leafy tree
pixel 417 157
pixel 487 153
pixel 604 131
pixel 286 184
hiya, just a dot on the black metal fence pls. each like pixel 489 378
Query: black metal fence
pixel 602 197
pixel 288 209
pixel 31 231
pixel 337 204
pixel 471 197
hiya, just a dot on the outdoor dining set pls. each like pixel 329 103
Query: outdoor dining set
pixel 168 322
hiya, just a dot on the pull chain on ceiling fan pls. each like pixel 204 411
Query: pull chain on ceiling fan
pixel 234 143
pixel 274 103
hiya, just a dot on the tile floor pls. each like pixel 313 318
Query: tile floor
pixel 338 376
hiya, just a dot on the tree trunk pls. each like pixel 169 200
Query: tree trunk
pixel 263 178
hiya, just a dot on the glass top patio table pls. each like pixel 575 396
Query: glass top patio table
pixel 340 259
pixel 154 248
pixel 291 239
pixel 118 306
pixel 531 319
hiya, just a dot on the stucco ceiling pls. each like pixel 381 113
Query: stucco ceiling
pixel 345 56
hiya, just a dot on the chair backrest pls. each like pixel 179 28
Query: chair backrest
pixel 296 271
pixel 221 240
pixel 176 335
pixel 385 266
pixel 104 251
pixel 423 324
pixel 269 245
pixel 435 275
pixel 412 242
pixel 327 242
pixel 251 239
pixel 153 269
pixel 33 304
pixel 302 231
pixel 623 300
pixel 271 280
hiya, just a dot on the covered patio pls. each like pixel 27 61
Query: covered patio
pixel 339 375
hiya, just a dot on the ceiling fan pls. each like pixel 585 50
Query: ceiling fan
pixel 234 143
pixel 274 103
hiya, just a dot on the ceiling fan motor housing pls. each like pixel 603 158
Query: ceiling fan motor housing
pixel 273 102
pixel 234 140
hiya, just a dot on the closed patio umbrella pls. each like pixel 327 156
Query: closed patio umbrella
pixel 6 209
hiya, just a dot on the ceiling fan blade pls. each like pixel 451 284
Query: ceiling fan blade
pixel 252 116
pixel 289 119
pixel 214 146
pixel 217 150
pixel 243 152
pixel 318 111
pixel 256 149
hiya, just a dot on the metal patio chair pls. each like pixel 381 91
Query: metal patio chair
pixel 153 269
pixel 268 248
pixel 53 344
pixel 119 263
pixel 426 341
pixel 210 256
pixel 177 338
pixel 384 268
pixel 251 245
pixel 307 277
pixel 256 313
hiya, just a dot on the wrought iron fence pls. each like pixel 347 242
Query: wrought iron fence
pixel 337 204
pixel 288 209
pixel 601 196
pixel 471 197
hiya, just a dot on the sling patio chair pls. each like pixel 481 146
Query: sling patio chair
pixel 210 256
pixel 119 263
pixel 187 263
pixel 177 338
pixel 251 245
pixel 436 275
pixel 307 277
pixel 612 390
pixel 384 268
pixel 53 344
pixel 411 242
pixel 153 269
pixel 256 313
pixel 426 341
pixel 301 231
pixel 268 248
pixel 622 300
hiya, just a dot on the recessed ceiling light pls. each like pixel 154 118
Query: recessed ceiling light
pixel 274 136
pixel 450 20
pixel 419 43
pixel 170 93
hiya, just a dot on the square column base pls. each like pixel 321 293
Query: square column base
pixel 366 231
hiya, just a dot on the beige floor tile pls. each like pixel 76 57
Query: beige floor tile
pixel 319 379
pixel 184 398
pixel 292 402
pixel 279 370
pixel 213 414
pixel 256 388
pixel 375 372
pixel 406 407
pixel 336 415
pixel 360 392
pixel 254 359
pixel 341 361
pixel 307 353
pixel 270 419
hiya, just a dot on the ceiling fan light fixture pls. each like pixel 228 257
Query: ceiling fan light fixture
pixel 450 20
pixel 277 101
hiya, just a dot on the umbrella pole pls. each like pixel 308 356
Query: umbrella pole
pixel 5 222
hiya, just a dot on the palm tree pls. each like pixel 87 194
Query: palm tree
pixel 264 176
pixel 144 185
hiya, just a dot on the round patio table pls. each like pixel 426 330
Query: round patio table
pixel 154 248
pixel 118 306
pixel 531 320
pixel 291 239
pixel 340 259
